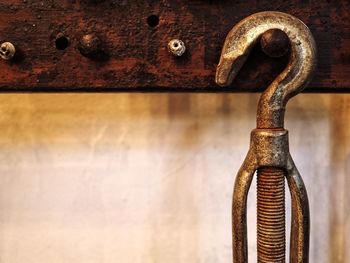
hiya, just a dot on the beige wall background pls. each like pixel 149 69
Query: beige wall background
pixel 148 178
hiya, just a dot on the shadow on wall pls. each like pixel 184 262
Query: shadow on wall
pixel 339 216
pixel 148 177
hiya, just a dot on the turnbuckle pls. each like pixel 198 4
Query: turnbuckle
pixel 268 154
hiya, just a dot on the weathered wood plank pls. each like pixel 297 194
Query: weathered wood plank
pixel 135 54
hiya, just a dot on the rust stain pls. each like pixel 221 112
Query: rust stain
pixel 136 53
pixel 340 197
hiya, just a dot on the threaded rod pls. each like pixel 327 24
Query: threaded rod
pixel 271 236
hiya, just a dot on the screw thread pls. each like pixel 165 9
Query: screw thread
pixel 271 236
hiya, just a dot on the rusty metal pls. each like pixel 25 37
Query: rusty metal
pixel 269 148
pixel 177 47
pixel 135 35
pixel 275 43
pixel 90 45
pixel 7 50
pixel 271 237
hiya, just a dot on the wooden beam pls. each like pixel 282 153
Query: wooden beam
pixel 134 44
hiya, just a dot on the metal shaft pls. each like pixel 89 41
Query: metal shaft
pixel 271 236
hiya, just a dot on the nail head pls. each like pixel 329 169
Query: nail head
pixel 275 43
pixel 7 51
pixel 177 47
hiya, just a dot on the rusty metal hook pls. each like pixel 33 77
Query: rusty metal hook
pixel 291 81
pixel 269 149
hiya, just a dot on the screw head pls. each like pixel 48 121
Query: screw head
pixel 90 45
pixel 7 50
pixel 177 47
pixel 275 43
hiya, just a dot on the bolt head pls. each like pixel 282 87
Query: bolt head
pixel 7 50
pixel 275 43
pixel 177 47
pixel 90 45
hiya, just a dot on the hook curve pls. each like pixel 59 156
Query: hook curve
pixel 291 81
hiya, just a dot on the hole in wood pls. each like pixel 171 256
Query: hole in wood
pixel 153 20
pixel 62 42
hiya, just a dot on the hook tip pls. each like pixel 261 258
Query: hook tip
pixel 228 68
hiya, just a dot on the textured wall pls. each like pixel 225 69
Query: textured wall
pixel 147 178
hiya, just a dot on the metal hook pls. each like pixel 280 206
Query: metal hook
pixel 269 148
pixel 290 82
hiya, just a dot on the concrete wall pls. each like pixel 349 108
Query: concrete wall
pixel 147 178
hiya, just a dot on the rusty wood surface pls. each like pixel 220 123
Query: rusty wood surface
pixel 136 56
